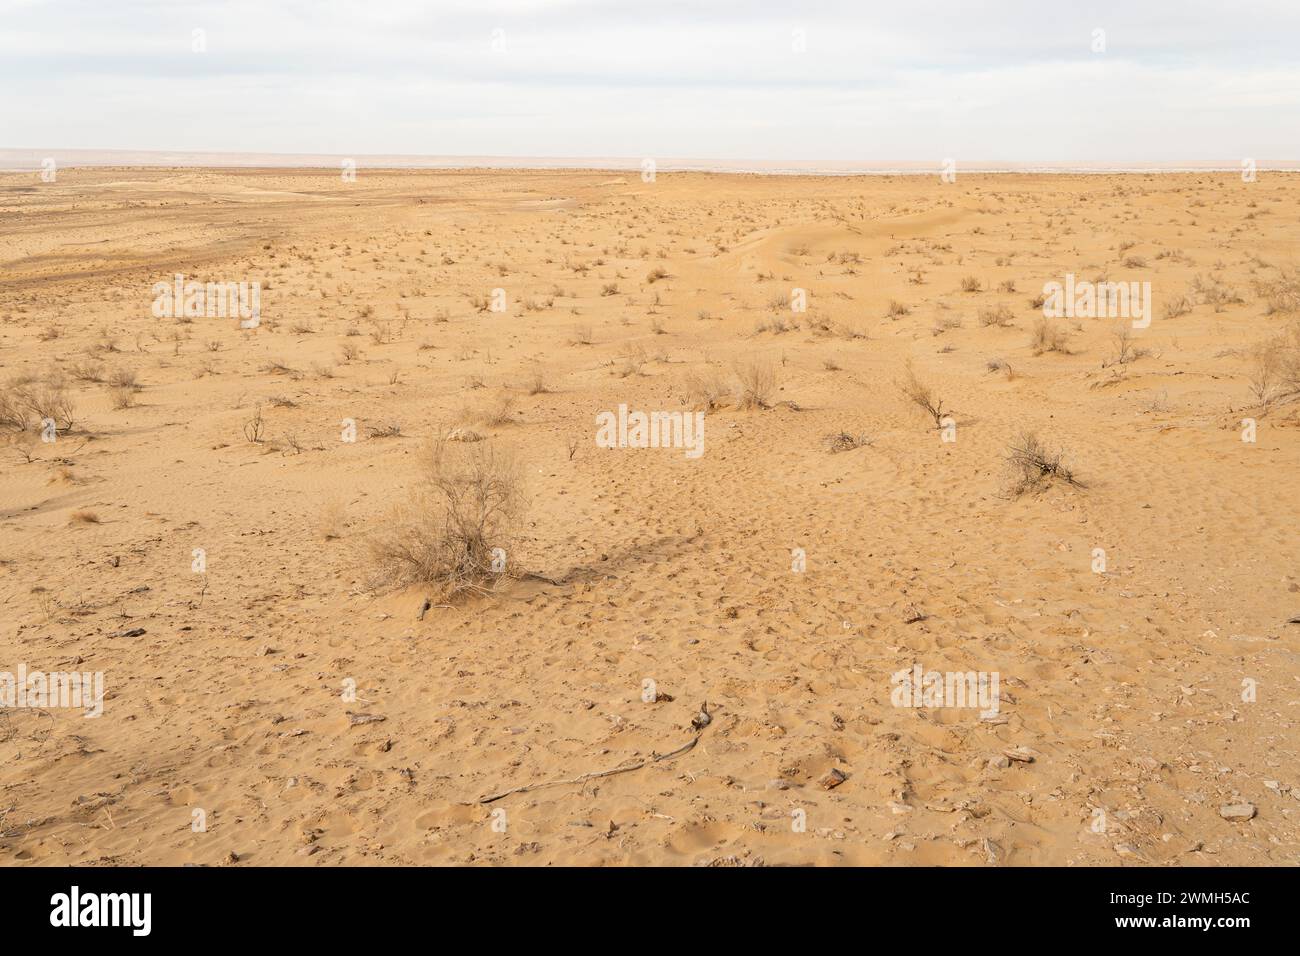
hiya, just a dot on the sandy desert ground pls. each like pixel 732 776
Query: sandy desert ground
pixel 1140 704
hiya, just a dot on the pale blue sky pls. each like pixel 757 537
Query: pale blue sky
pixel 1018 81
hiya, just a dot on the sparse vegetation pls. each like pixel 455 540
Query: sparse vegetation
pixel 844 441
pixel 1032 463
pixel 757 383
pixel 1049 338
pixel 922 396
pixel 464 508
pixel 1000 316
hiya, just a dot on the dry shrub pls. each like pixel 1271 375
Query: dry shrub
pixel 757 383
pixel 88 371
pixel 1274 373
pixel 1032 463
pixel 13 410
pixel 498 413
pixel 1001 316
pixel 844 441
pixel 123 378
pixel 922 396
pixel 535 383
pixel 1281 294
pixel 466 505
pixel 703 391
pixel 1177 307
pixel 122 396
pixel 632 358
pixel 1125 350
pixel 24 404
pixel 1049 338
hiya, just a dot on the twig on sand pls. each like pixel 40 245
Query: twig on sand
pixel 627 768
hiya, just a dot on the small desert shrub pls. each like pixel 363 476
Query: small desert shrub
pixel 84 517
pixel 1274 373
pixel 655 274
pixel 703 391
pixel 122 396
pixel 971 284
pixel 1001 316
pixel 465 507
pixel 1031 463
pixel 1125 350
pixel 388 429
pixel 278 367
pixel 844 441
pixel 609 288
pixel 757 383
pixel 897 309
pixel 581 335
pixel 123 378
pixel 498 413
pixel 535 383
pixel 922 396
pixel 87 372
pixel 631 360
pixel 776 326
pixel 254 427
pixel 1282 294
pixel 1177 307
pixel 1214 293
pixel 1048 338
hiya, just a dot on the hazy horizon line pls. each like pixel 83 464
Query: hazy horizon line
pixel 33 160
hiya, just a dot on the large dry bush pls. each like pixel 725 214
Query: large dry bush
pixel 25 404
pixel 465 505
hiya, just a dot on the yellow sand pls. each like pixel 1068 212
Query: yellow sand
pixel 1127 684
